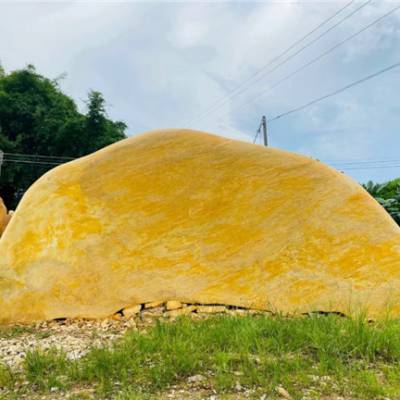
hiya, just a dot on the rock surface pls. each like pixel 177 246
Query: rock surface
pixel 130 311
pixel 173 305
pixel 181 311
pixel 3 216
pixel 200 219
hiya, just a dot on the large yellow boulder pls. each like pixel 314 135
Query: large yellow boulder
pixel 196 218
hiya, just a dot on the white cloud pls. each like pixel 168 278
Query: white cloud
pixel 160 64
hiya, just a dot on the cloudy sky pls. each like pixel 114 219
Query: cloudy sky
pixel 215 66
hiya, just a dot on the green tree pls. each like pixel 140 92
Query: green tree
pixel 36 118
pixel 98 126
pixel 387 195
pixel 390 189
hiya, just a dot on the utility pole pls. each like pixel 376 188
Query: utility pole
pixel 264 128
pixel 263 125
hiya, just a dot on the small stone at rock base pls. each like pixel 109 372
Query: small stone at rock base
pixel 173 305
pixel 154 304
pixel 180 311
pixel 211 309
pixel 153 312
pixel 131 323
pixel 239 312
pixel 254 312
pixel 283 392
pixel 196 316
pixel 105 323
pixel 130 311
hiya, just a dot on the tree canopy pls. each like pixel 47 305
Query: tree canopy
pixel 387 195
pixel 37 118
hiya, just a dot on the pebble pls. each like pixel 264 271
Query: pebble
pixel 283 392
pixel 211 309
pixel 173 305
pixel 75 337
pixel 131 311
pixel 196 378
pixel 154 304
pixel 181 311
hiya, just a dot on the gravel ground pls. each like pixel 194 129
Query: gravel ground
pixel 74 337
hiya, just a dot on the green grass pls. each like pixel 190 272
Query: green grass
pixel 11 332
pixel 315 356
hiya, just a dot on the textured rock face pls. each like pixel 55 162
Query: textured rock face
pixel 3 216
pixel 196 218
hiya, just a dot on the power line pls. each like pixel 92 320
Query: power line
pixel 32 162
pixel 376 167
pixel 359 160
pixel 319 57
pixel 254 75
pixel 363 162
pixel 256 136
pixel 243 87
pixel 347 166
pixel 39 159
pixel 367 167
pixel 334 93
pixel 330 50
pixel 257 133
pixel 337 164
pixel 38 156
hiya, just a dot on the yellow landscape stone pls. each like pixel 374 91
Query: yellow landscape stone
pixel 173 305
pixel 154 304
pixel 181 311
pixel 130 311
pixel 211 309
pixel 201 219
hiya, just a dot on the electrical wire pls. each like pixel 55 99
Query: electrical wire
pixel 376 167
pixel 347 166
pixel 6 160
pixel 254 75
pixel 334 93
pixel 362 162
pixel 330 50
pixel 243 87
pixel 338 163
pixel 38 156
pixel 257 133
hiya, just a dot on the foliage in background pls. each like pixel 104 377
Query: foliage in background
pixel 388 195
pixel 37 118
